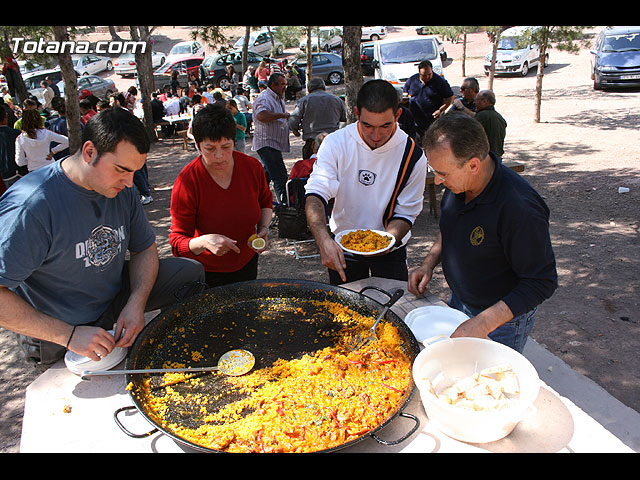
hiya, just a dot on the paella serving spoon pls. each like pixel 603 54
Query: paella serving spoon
pixel 364 339
pixel 233 363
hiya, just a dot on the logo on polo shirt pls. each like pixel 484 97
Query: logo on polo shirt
pixel 477 236
pixel 366 177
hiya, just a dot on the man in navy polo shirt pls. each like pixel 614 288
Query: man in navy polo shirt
pixel 494 242
pixel 430 95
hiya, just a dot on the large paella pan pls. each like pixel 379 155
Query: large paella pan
pixel 309 391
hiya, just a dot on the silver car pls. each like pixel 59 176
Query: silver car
pixel 98 86
pixel 126 64
pixel 260 42
pixel 91 64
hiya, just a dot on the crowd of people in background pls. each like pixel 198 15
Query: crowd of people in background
pixel 368 174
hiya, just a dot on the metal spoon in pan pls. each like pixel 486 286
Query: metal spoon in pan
pixel 233 363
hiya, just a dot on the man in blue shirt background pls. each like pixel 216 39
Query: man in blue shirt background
pixel 430 96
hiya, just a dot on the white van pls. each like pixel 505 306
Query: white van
pixel 395 60
pixel 515 54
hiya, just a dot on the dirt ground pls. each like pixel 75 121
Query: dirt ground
pixel 584 148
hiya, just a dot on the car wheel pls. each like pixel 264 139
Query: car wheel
pixel 525 69
pixel 108 94
pixel 375 38
pixel 334 78
pixel 109 66
pixel 223 82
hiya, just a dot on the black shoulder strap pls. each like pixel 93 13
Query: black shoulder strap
pixel 412 153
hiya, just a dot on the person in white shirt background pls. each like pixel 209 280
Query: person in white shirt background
pixel 33 145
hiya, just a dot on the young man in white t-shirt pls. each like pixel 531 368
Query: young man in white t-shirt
pixel 363 168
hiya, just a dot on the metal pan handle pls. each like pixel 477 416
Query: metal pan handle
pixel 133 435
pixel 404 437
pixel 393 297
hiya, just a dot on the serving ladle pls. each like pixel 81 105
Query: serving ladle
pixel 233 363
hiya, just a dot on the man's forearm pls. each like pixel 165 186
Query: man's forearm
pixel 316 218
pixel 433 257
pixel 266 117
pixel 398 228
pixel 20 317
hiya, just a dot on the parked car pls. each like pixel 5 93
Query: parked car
pixel 260 42
pixel 188 68
pixel 126 64
pixel 615 58
pixel 32 81
pixel 98 86
pixel 396 59
pixel 181 50
pixel 516 54
pixel 91 64
pixel 213 68
pixel 366 58
pixel 330 38
pixel 327 66
pixel 27 66
pixel 373 33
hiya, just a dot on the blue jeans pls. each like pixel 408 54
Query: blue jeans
pixel 513 334
pixel 275 169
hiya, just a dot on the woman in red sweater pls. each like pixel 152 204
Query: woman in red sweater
pixel 220 200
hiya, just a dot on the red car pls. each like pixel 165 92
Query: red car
pixel 188 69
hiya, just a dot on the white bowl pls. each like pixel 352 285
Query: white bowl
pixel 460 358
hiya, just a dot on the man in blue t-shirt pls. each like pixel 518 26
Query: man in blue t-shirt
pixel 65 279
pixel 429 96
pixel 494 242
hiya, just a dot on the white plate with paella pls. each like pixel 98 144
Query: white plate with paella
pixel 365 241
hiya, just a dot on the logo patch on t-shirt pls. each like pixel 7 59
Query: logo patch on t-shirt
pixel 366 177
pixel 103 245
pixel 477 236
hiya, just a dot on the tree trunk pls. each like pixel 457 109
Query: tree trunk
pixel 144 68
pixel 492 70
pixel 71 101
pixel 543 44
pixel 352 66
pixel 245 52
pixel 540 74
pixel 309 71
pixel 464 55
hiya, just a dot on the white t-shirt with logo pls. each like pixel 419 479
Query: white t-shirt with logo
pixel 362 180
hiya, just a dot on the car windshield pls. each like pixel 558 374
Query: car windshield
pixel 621 43
pixel 180 49
pixel 164 67
pixel 408 52
pixel 508 43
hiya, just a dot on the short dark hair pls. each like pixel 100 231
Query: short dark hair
pixel 109 127
pixel 425 64
pixel 57 103
pixel 273 77
pixel 377 96
pixel 465 136
pixel 214 122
